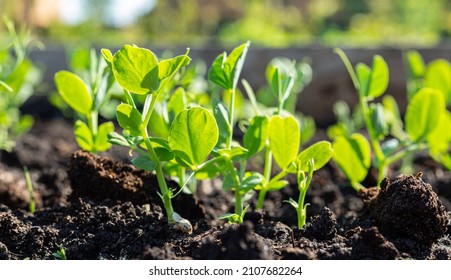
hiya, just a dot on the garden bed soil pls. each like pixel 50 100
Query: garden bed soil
pixel 98 208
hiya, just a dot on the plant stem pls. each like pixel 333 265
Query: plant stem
pixel 93 126
pixel 236 182
pixel 165 192
pixel 267 174
pixel 231 113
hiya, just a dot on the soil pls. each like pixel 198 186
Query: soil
pixel 99 208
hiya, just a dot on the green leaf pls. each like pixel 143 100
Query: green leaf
pixel 423 113
pixel 284 136
pixel 83 136
pixel 129 118
pixel 321 152
pixel 353 156
pixel 144 163
pixel 101 142
pixel 74 92
pixel 438 76
pixel 193 135
pixel 162 148
pixel 377 118
pixel 117 139
pixel 177 102
pixel 169 67
pixel 363 74
pixel 222 115
pixel 136 69
pixel 235 153
pixel 225 70
pixel 250 182
pixel 373 81
pixel 440 138
pixel 107 56
pixel 256 135
pixel 276 185
pixel 416 64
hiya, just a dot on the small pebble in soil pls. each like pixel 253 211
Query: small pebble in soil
pixel 408 207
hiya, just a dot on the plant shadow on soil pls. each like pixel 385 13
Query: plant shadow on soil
pixel 98 208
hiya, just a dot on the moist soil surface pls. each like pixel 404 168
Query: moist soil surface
pixel 101 207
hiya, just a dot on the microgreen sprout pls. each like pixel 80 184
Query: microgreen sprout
pixel 87 99
pixel 192 135
pixel 303 181
pixel 32 205
pixel 60 254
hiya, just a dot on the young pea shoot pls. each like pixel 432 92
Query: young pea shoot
pixel 424 122
pixel 192 135
pixel 87 101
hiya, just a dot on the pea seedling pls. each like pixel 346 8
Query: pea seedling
pixel 424 123
pixel 192 135
pixel 18 76
pixel 87 101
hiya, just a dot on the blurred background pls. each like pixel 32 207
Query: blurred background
pixel 302 30
pixel 267 23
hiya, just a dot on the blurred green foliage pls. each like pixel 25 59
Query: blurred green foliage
pixel 270 23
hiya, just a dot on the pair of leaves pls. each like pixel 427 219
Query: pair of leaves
pixel 137 69
pixel 226 69
pixel 372 81
pixel 281 75
pixel 88 142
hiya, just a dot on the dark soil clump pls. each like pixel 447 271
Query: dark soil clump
pixel 408 207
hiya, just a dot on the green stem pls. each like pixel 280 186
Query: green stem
pixel 148 114
pixel 165 192
pixel 348 66
pixel 231 113
pixel 236 182
pixel 357 186
pixel 93 125
pixel 267 174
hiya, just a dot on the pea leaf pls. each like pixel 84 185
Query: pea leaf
pixel 129 118
pixel 193 135
pixel 144 163
pixel 136 69
pixel 83 136
pixel 416 64
pixel 168 67
pixel 117 139
pixel 74 92
pixel 423 113
pixel 225 70
pixel 256 135
pixel 251 181
pixel 438 76
pixel 373 81
pixel 101 142
pixel 353 156
pixel 221 115
pixel 321 152
pixel 284 136
pixel 377 118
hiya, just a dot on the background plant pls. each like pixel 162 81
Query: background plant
pixel 18 77
pixel 87 99
pixel 425 116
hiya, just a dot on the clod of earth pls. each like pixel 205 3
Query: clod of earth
pixel 408 207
